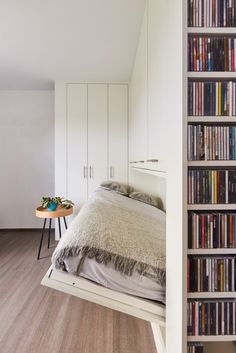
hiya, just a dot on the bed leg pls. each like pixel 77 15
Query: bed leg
pixel 159 337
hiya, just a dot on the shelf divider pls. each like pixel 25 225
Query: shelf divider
pixel 212 74
pixel 201 207
pixel 219 338
pixel 211 119
pixel 213 295
pixel 211 30
pixel 218 251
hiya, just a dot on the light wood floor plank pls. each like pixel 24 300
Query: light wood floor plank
pixel 35 319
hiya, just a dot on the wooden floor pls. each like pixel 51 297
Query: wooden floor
pixel 35 319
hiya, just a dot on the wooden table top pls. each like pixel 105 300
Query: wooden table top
pixel 59 212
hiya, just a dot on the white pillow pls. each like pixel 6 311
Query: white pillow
pixel 142 197
pixel 115 186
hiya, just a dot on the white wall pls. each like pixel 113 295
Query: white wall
pixel 26 155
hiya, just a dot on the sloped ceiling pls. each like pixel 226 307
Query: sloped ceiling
pixel 44 40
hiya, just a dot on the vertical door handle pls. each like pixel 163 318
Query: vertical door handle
pixel 91 172
pixel 111 172
pixel 85 172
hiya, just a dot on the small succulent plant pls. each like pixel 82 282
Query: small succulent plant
pixel 60 201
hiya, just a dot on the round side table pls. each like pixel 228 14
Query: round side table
pixel 44 213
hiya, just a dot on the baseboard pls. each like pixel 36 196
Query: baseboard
pixel 21 229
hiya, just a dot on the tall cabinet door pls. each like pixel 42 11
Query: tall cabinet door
pixel 97 135
pixel 77 170
pixel 138 100
pixel 117 135
pixel 158 128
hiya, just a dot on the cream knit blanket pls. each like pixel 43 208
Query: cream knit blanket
pixel 115 229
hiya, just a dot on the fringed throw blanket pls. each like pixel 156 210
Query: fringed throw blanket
pixel 116 230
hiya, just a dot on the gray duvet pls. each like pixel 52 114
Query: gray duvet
pixel 124 234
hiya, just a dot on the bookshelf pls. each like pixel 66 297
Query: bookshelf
pixel 204 75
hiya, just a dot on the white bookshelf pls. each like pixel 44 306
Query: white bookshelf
pixel 211 295
pixel 221 120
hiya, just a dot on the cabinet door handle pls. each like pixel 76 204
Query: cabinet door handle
pixel 111 172
pixel 85 172
pixel 91 172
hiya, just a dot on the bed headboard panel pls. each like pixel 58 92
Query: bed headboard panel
pixel 150 184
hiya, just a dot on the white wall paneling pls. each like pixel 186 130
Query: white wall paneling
pixel 60 139
pixel 97 135
pixel 91 136
pixel 77 159
pixel 118 133
pixel 157 68
pixel 176 340
pixel 26 155
pixel 138 100
pixel 60 143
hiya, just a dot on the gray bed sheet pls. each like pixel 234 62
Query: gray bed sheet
pixel 136 284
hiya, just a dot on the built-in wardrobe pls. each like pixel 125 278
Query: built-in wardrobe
pixel 91 127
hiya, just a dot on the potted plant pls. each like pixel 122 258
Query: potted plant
pixel 51 203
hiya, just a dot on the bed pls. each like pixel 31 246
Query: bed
pixel 114 254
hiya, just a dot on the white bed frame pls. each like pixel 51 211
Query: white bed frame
pixel 85 289
pixel 150 180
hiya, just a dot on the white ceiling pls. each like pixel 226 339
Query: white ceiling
pixel 44 40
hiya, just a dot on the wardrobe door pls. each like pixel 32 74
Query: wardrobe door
pixel 117 133
pixel 138 100
pixel 97 135
pixel 158 128
pixel 77 170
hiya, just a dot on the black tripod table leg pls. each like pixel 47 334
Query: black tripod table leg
pixel 65 222
pixel 49 232
pixel 41 240
pixel 59 224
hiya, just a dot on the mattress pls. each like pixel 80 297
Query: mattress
pixel 136 284
pixel 118 243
